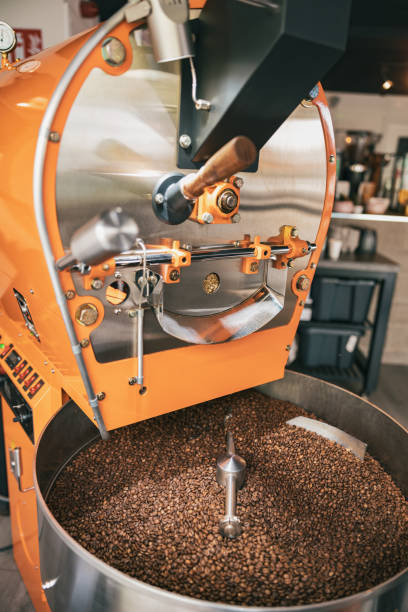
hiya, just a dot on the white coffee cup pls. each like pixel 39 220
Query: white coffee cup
pixel 334 248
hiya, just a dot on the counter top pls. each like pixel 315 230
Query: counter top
pixel 352 261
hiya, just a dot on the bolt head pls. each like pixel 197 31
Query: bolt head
pixel 207 217
pixel 70 294
pixel 54 136
pixel 97 284
pixel 294 233
pixel 238 182
pixel 159 198
pixel 100 396
pixel 174 275
pixel 113 51
pixel 185 141
pixel 84 342
pixel 332 159
pixel 86 314
pixel 303 283
pixel 132 313
pixel 132 381
pixel 105 267
pixel 254 267
pixel 118 275
pixel 236 218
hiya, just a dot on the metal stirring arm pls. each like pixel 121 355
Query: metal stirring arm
pixel 231 470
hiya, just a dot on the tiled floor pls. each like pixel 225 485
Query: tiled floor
pixel 391 395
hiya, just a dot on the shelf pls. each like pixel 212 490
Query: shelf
pixel 365 217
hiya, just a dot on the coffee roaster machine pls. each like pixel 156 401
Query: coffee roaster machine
pixel 166 188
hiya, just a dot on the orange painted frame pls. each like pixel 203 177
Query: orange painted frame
pixel 174 379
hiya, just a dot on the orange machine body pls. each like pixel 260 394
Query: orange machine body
pixel 174 378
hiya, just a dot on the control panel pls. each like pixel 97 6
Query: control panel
pixel 29 380
pixel 19 383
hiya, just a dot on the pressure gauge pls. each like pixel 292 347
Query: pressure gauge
pixel 7 37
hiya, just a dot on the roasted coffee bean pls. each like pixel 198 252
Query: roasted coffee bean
pixel 318 523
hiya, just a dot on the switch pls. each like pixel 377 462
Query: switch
pixel 25 373
pixel 33 390
pixel 6 350
pixel 19 367
pixel 29 381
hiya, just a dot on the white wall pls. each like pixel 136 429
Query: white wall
pixel 387 115
pixel 58 19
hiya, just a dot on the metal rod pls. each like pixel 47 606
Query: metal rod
pixel 140 314
pixel 3 498
pixel 154 256
pixel 230 497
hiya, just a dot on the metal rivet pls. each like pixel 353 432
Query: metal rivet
pixel 101 395
pixel 332 159
pixel 97 284
pixel 207 217
pixel 105 267
pixel 132 381
pixel 185 141
pixel 70 294
pixel 84 342
pixel 54 136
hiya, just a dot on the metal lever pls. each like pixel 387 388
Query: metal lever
pixel 231 469
pixel 15 465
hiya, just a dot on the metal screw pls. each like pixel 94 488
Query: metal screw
pixel 185 141
pixel 117 311
pixel 305 250
pixel 332 159
pixel 301 303
pixel 207 217
pixel 236 218
pixel 288 347
pixel 132 313
pixel 313 265
pixel 303 283
pixel 132 381
pixel 118 275
pixel 101 395
pixel 84 342
pixel 45 362
pixel 294 232
pixel 254 267
pixel 54 137
pixel 174 275
pixel 31 290
pixel 113 51
pixel 238 182
pixel 52 371
pixel 70 294
pixel 159 198
pixel 97 284
pixel 105 267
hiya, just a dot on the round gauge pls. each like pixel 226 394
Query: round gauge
pixel 7 37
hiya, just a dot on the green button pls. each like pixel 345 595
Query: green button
pixel 2 346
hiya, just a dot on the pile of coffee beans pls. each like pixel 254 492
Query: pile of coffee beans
pixel 318 523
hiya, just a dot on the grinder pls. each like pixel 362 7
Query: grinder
pixel 167 184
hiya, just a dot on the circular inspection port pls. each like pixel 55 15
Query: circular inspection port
pixel 117 292
pixel 211 283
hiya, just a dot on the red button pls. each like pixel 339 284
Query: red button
pixel 35 388
pixel 30 381
pixel 24 374
pixel 19 367
pixel 6 350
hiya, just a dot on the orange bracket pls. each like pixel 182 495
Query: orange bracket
pixel 288 236
pixel 218 204
pixel 250 265
pixel 180 259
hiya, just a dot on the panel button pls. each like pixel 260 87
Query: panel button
pixel 29 381
pixel 13 359
pixel 6 350
pixel 25 373
pixel 19 367
pixel 33 390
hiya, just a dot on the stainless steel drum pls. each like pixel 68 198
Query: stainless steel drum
pixel 76 581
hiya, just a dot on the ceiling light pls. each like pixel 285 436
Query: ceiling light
pixel 387 84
